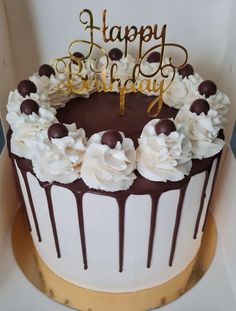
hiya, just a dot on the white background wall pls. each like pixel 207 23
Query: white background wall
pixel 41 30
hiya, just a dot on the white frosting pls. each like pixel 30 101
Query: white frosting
pixel 220 102
pixel 147 68
pixel 182 91
pixel 202 131
pixel 162 157
pixel 26 128
pixel 48 89
pixel 60 159
pixel 106 168
pixel 14 103
pixel 124 70
pixel 85 73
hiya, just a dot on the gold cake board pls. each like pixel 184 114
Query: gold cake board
pixel 38 273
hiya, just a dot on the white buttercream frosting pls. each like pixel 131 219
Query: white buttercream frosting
pixel 162 157
pixel 48 89
pixel 147 68
pixel 202 131
pixel 124 70
pixel 59 159
pixel 182 91
pixel 220 102
pixel 26 129
pixel 14 102
pixel 109 169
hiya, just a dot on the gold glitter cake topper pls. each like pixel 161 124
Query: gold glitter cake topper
pixel 103 77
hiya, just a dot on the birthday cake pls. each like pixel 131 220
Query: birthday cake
pixel 116 196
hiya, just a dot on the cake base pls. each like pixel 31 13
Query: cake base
pixel 39 274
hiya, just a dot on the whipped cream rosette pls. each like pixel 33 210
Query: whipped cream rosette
pixel 48 89
pixel 197 88
pixel 85 73
pixel 15 100
pixel 109 162
pixel 59 153
pixel 26 128
pixel 125 65
pixel 203 128
pixel 182 90
pixel 27 116
pixel 220 102
pixel 164 151
pixel 149 67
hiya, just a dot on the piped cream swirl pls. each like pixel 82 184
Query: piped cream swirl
pixel 202 131
pixel 161 157
pixel 60 159
pixel 109 169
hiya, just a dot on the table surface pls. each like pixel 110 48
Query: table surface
pixel 213 292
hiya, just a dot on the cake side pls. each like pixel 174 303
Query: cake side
pixel 106 249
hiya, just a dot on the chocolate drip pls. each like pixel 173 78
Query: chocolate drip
pixel 207 174
pixel 212 189
pixel 79 201
pixel 121 204
pixel 22 198
pixel 52 218
pixel 177 223
pixel 155 200
pixel 24 175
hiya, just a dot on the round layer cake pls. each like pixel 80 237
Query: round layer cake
pixel 114 241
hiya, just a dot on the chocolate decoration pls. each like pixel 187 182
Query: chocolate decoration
pixel 212 189
pixel 154 207
pixel 26 87
pixel 22 200
pixel 201 202
pixel 154 57
pixel 207 88
pixel 79 201
pixel 115 54
pixel 24 175
pixel 186 71
pixel 57 130
pixel 165 126
pixel 111 138
pixel 105 107
pixel 28 106
pixel 177 223
pixel 77 55
pixel 46 70
pixel 200 105
pixel 52 218
pixel 121 204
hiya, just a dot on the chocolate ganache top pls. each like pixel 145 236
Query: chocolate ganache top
pixel 100 112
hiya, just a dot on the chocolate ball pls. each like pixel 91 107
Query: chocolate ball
pixel 154 57
pixel 115 54
pixel 110 138
pixel 28 106
pixel 57 130
pixel 200 105
pixel 46 70
pixel 186 71
pixel 78 55
pixel 165 126
pixel 207 88
pixel 26 87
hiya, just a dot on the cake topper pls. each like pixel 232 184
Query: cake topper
pixel 104 77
